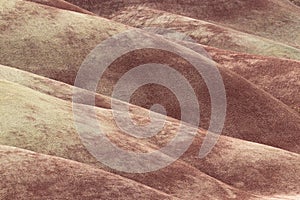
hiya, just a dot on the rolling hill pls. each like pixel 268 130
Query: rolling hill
pixel 206 33
pixel 273 19
pixel 231 161
pixel 41 112
pixel 252 115
pixel 236 59
pixel 49 177
pixel 279 77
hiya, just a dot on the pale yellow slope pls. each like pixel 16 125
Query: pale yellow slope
pixel 44 124
pixel 49 40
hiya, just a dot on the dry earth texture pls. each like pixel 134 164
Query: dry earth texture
pixel 43 44
pixel 251 113
pixel 206 33
pixel 279 77
pixel 46 126
pixel 274 19
pixel 48 177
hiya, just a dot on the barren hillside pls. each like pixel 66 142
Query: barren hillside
pixel 35 131
pixel 251 114
pixel 230 123
pixel 48 177
pixel 273 19
pixel 40 135
pixel 279 77
pixel 206 33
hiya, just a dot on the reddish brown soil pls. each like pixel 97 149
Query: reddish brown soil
pixel 260 159
pixel 274 19
pixel 29 175
pixel 203 32
pixel 38 133
pixel 252 114
pixel 231 161
pixel 279 77
pixel 62 5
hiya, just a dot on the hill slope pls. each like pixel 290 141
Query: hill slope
pixel 273 19
pixel 48 177
pixel 205 32
pixel 279 77
pixel 37 112
pixel 46 126
pixel 251 114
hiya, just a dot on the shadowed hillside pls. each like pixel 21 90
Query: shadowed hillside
pixel 279 77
